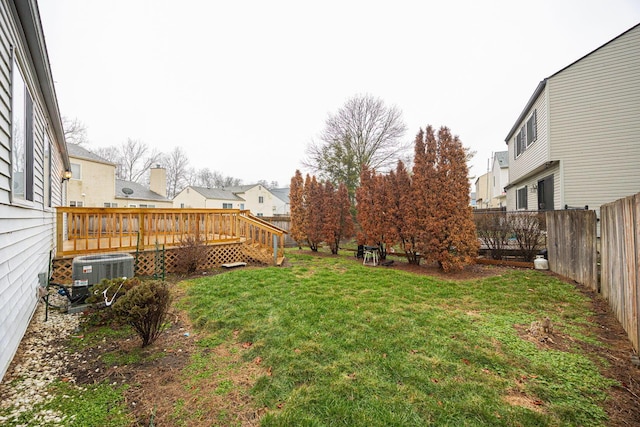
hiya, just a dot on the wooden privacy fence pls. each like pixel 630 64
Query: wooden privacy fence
pixel 572 245
pixel 91 230
pixel 620 278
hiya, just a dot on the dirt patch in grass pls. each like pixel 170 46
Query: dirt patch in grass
pixel 160 389
pixel 623 405
pixel 520 398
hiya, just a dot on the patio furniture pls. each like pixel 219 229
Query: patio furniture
pixel 371 255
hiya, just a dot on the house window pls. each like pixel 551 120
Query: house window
pixel 22 159
pixel 259 214
pixel 521 198
pixel 147 206
pixel 76 203
pixel 227 206
pixel 75 171
pixel 47 171
pixel 260 199
pixel 110 205
pixel 528 135
pixel 532 128
pixel 182 204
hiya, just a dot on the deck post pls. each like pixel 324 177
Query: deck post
pixel 275 249
pixel 59 233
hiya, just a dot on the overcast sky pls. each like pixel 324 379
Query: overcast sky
pixel 244 86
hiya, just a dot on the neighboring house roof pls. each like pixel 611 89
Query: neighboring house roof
pixel 281 193
pixel 139 192
pixel 218 193
pixel 241 188
pixel 75 150
pixel 503 158
pixel 543 84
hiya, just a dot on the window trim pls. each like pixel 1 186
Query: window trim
pixel 521 141
pixel 78 176
pixel 27 196
pixel 48 168
pixel 524 189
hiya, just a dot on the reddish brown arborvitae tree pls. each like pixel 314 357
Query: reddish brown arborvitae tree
pixel 424 193
pixel 315 212
pixel 364 206
pixel 371 210
pixel 454 243
pixel 338 223
pixel 298 211
pixel 403 211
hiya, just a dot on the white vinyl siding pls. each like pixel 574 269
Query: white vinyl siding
pixel 5 113
pixel 27 230
pixel 594 105
pixel 532 195
pixel 537 152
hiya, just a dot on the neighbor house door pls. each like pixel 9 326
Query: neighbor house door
pixel 545 194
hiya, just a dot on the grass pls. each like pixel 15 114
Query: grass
pixel 340 344
pixel 354 346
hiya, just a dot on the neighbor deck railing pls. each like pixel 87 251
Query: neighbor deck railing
pixel 84 230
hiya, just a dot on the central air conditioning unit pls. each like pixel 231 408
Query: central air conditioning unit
pixel 91 269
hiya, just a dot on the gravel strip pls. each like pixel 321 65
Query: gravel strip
pixel 40 360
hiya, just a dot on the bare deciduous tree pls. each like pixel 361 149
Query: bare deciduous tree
pixel 364 132
pixel 110 154
pixel 177 165
pixel 75 132
pixel 136 159
pixel 205 177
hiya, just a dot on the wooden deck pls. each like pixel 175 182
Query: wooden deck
pixel 89 230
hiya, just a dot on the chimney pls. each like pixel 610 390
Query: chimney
pixel 158 180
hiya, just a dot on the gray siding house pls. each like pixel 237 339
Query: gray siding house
pixel 33 161
pixel 577 141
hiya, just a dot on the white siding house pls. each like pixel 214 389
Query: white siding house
pixel 255 198
pixel 577 141
pixel 33 159
pixel 499 179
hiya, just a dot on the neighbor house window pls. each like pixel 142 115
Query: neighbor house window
pixel 260 199
pixel 147 206
pixel 521 198
pixel 110 205
pixel 532 128
pixel 22 158
pixel 76 203
pixel 527 135
pixel 75 171
pixel 227 206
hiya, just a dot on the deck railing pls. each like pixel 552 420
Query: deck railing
pixel 89 230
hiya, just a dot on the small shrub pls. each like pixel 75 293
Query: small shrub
pixel 115 289
pixel 493 229
pixel 191 254
pixel 529 229
pixel 145 308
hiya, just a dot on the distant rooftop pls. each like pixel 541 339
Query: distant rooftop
pixel 75 150
pixel 139 191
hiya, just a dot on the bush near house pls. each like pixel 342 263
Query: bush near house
pixel 502 232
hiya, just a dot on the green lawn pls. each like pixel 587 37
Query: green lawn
pixel 359 346
pixel 339 344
